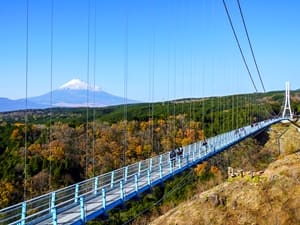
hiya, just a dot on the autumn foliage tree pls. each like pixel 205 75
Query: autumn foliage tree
pixel 64 154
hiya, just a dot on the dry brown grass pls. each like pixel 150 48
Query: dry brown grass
pixel 272 198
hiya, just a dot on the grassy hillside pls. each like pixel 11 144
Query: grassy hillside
pixel 272 198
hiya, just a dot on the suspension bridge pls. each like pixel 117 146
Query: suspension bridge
pixel 89 199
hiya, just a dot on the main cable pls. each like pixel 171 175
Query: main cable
pixel 250 45
pixel 253 55
pixel 238 43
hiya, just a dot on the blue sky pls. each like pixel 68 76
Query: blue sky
pixel 176 48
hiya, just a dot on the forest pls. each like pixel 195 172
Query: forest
pixel 43 150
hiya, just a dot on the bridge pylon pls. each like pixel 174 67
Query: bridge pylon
pixel 287 111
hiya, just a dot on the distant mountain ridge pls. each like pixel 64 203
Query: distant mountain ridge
pixel 74 93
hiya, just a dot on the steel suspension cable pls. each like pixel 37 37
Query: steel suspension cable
pixel 87 92
pixel 168 87
pixel 232 113
pixel 125 71
pixel 203 101
pixel 150 96
pixel 94 91
pixel 191 102
pixel 26 101
pixel 250 45
pixel 174 102
pixel 168 103
pixel 51 90
pixel 152 93
pixel 238 44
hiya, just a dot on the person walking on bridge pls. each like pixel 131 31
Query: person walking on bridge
pixel 173 157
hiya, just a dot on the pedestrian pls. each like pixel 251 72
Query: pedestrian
pixel 173 157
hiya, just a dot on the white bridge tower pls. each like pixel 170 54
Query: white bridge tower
pixel 287 112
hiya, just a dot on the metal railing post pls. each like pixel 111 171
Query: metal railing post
pixel 171 166
pixel 54 216
pixel 76 193
pixel 136 183
pixel 112 179
pixel 121 190
pixel 126 174
pixel 148 177
pixel 96 185
pixel 82 211
pixel 139 168
pixel 103 198
pixel 23 215
pixel 187 159
pixel 53 195
pixel 150 165
pixel 160 171
pixel 193 155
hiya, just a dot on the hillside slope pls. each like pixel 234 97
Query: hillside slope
pixel 270 198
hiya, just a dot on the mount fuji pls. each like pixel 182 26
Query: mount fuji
pixel 75 93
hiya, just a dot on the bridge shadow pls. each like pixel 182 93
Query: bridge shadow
pixel 263 137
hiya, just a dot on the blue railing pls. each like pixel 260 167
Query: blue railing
pixel 90 198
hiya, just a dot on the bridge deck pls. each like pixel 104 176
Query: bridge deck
pixel 91 198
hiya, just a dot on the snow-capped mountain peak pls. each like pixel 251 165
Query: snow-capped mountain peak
pixel 77 84
pixel 71 94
